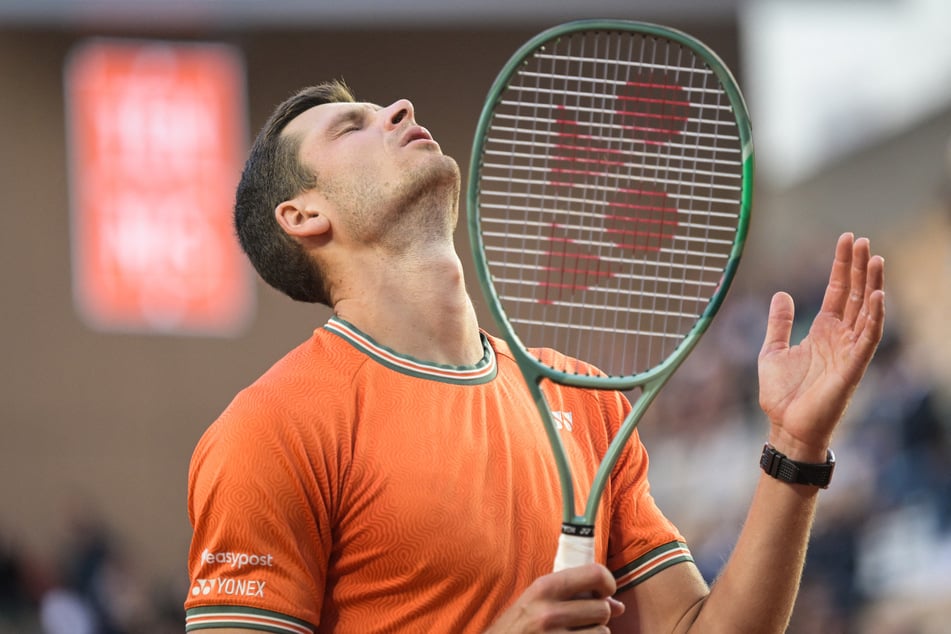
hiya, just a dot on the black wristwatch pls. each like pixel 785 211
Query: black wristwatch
pixel 782 468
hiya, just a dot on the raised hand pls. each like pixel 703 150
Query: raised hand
pixel 805 389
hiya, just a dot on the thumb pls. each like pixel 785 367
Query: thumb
pixel 779 324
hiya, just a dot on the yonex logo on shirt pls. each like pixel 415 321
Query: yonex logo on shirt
pixel 232 587
pixel 237 560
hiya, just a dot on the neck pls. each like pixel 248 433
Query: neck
pixel 415 304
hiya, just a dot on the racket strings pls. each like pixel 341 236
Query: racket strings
pixel 596 203
pixel 610 192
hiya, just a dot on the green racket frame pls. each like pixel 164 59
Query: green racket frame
pixel 652 380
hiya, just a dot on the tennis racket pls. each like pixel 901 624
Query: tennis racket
pixel 609 199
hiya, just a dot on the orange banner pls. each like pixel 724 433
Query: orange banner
pixel 157 136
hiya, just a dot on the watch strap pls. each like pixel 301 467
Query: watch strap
pixel 779 466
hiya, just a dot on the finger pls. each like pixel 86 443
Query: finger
pixel 585 613
pixel 617 608
pixel 875 281
pixel 779 324
pixel 837 292
pixel 873 323
pixel 858 291
pixel 584 629
pixel 865 344
pixel 876 325
pixel 590 580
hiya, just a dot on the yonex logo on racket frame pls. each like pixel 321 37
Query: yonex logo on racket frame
pixel 563 420
pixel 579 530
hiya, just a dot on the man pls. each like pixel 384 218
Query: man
pixel 384 477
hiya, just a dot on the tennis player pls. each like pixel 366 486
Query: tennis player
pixel 388 475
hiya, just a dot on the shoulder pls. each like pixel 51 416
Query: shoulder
pixel 306 378
pixel 300 400
pixel 321 361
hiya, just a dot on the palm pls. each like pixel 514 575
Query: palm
pixel 810 382
pixel 805 389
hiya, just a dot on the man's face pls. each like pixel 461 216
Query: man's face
pixel 378 167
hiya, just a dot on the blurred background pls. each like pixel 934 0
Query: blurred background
pixel 129 320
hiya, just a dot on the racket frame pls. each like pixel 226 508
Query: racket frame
pixel 650 381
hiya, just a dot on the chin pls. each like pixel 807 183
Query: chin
pixel 451 170
pixel 433 200
pixel 438 179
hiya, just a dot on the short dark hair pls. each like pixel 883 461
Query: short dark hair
pixel 273 174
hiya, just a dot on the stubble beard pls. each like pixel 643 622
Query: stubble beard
pixel 432 199
pixel 423 209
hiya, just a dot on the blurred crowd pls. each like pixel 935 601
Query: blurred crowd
pixel 879 561
pixel 89 587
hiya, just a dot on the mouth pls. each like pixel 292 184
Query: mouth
pixel 417 133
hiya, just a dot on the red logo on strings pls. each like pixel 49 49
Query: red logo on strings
pixel 608 181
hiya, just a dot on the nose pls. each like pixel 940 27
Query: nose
pixel 397 112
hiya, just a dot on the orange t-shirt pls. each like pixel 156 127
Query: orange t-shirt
pixel 352 489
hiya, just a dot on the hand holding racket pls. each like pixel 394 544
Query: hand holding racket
pixel 609 200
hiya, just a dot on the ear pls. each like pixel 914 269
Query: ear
pixel 301 220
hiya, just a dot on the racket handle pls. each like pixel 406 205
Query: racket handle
pixel 574 550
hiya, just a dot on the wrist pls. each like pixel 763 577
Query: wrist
pixel 797 449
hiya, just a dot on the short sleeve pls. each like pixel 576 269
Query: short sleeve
pixel 642 541
pixel 259 508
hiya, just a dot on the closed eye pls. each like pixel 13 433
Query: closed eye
pixel 352 119
pixel 346 126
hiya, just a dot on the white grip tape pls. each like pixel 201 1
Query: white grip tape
pixel 574 550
